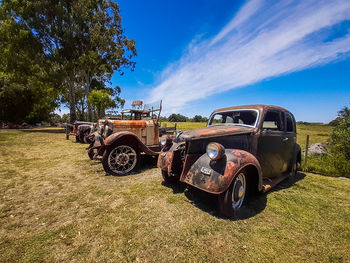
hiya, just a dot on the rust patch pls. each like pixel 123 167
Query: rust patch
pixel 215 131
pixel 216 176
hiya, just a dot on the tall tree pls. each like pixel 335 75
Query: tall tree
pixel 83 41
pixel 26 88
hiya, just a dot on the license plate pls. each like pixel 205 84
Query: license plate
pixel 206 171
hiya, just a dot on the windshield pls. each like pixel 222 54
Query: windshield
pixel 235 117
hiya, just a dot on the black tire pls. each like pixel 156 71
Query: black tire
pixel 230 202
pixel 294 169
pixel 170 179
pixel 91 154
pixel 120 160
pixel 81 137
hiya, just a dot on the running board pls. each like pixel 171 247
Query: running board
pixel 269 183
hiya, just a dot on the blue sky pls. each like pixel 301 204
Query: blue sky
pixel 201 55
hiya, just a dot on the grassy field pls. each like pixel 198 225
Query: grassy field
pixel 57 205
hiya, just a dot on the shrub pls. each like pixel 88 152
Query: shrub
pixel 340 138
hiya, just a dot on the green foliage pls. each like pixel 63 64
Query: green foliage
pixel 340 138
pixel 26 88
pixel 177 118
pixel 328 164
pixel 101 100
pixel 343 113
pixel 59 49
pixel 65 118
pixel 199 118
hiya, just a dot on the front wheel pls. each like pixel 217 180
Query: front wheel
pixel 120 160
pixel 231 201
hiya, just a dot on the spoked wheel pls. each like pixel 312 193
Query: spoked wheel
pixel 231 201
pixel 120 160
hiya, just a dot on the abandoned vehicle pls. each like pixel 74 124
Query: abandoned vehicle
pixel 242 150
pixel 81 130
pixel 121 141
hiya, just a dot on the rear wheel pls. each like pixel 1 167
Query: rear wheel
pixel 120 160
pixel 231 201
pixel 294 169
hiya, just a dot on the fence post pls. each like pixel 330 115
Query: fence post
pixel 307 148
pixel 67 132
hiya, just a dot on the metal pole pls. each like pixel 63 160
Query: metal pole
pixel 307 148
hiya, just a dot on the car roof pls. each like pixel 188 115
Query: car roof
pixel 260 107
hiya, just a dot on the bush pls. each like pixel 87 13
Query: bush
pixel 328 164
pixel 340 138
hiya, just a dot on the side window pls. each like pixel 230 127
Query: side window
pixel 289 123
pixel 273 121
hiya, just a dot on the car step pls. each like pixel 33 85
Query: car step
pixel 269 183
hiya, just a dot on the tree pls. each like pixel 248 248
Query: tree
pixel 197 118
pixel 340 137
pixel 26 87
pixel 342 113
pixel 101 100
pixel 177 118
pixel 80 42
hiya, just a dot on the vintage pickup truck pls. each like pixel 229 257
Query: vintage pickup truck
pixel 242 150
pixel 120 142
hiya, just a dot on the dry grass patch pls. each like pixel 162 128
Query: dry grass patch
pixel 57 205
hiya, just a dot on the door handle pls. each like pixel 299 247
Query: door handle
pixel 285 139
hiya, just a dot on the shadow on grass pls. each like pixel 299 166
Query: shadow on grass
pixel 43 130
pixel 254 204
pixel 146 162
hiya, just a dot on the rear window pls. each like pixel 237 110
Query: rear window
pixel 273 121
pixel 289 123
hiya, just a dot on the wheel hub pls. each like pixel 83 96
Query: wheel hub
pixel 122 159
pixel 238 191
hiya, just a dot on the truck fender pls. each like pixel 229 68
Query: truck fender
pixel 216 176
pixel 127 138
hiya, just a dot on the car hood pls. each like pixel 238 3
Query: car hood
pixel 213 131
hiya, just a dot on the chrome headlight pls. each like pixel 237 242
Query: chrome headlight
pixel 166 141
pixel 215 150
pixel 163 142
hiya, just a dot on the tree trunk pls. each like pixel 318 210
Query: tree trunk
pixel 72 103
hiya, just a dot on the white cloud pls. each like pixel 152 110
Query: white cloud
pixel 260 42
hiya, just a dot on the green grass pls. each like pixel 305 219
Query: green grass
pixel 328 164
pixel 57 205
pixel 317 133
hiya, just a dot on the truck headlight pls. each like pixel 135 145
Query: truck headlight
pixel 215 151
pixel 163 142
pixel 166 141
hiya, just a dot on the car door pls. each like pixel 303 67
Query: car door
pixel 271 144
pixel 289 141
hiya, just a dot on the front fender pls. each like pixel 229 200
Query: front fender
pixel 216 176
pixel 127 138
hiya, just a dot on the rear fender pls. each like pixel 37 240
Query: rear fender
pixel 127 138
pixel 216 176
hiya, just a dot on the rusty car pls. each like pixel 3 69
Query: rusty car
pixel 242 150
pixel 80 130
pixel 121 141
